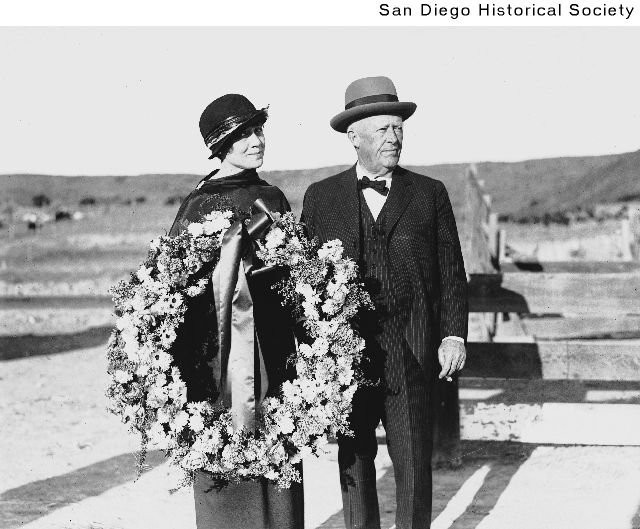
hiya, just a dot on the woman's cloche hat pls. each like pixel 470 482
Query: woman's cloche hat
pixel 225 117
pixel 370 96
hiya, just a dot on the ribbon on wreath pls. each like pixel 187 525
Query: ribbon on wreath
pixel 240 359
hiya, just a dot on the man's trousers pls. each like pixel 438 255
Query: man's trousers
pixel 403 402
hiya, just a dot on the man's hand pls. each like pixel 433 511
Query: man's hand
pixel 452 355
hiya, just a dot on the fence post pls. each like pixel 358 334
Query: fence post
pixel 627 239
pixel 446 434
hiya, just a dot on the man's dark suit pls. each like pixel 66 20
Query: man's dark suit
pixel 429 289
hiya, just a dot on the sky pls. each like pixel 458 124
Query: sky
pixel 95 101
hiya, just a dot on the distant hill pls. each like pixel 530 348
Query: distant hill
pixel 520 189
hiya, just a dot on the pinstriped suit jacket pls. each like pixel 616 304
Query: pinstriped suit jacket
pixel 423 250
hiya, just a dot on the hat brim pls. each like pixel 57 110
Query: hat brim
pixel 341 121
pixel 259 116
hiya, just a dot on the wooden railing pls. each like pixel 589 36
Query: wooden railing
pixel 602 295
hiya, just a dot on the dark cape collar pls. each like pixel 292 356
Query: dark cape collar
pixel 245 178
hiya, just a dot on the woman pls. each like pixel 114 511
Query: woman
pixel 232 128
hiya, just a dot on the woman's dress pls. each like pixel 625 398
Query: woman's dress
pixel 251 504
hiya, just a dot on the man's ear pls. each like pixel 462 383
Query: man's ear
pixel 353 137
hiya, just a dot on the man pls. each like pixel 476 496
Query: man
pixel 400 228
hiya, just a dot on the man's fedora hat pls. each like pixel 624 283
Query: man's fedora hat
pixel 370 96
pixel 225 117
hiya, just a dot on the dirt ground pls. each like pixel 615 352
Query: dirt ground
pixel 67 463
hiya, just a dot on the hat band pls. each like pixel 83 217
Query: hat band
pixel 376 98
pixel 223 130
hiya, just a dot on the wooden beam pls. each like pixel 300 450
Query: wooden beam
pixel 545 293
pixel 72 302
pixel 572 327
pixel 575 360
pixel 522 391
pixel 554 412
pixel 591 267
pixel 552 423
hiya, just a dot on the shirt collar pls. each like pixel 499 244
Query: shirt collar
pixel 361 171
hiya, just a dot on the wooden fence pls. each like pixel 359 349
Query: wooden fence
pixel 597 297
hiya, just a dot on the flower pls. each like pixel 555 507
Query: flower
pixel 144 273
pixel 331 250
pixel 131 412
pixel 217 222
pixel 286 424
pixel 162 360
pixel 305 350
pixel 167 337
pixel 274 238
pixel 196 423
pixel 195 229
pixel 291 393
pixel 138 303
pixel 157 396
pixel 131 349
pixel 320 346
pixel 164 415
pixel 122 377
pixel 158 436
pixel 193 460
pixel 179 421
pixel 142 370
pixel 194 291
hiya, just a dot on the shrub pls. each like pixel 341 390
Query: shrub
pixel 173 200
pixel 40 200
pixel 141 200
pixel 62 215
pixel 87 201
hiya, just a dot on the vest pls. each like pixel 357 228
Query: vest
pixel 374 268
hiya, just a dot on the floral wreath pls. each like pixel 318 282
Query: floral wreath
pixel 146 389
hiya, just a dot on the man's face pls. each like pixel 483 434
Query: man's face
pixel 378 141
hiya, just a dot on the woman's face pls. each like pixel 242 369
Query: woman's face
pixel 247 151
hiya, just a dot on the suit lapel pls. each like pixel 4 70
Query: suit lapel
pixel 347 205
pixel 399 197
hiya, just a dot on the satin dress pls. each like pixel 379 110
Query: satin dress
pixel 251 504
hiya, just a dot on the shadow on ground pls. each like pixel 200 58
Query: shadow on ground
pixel 503 460
pixel 12 347
pixel 635 522
pixel 29 502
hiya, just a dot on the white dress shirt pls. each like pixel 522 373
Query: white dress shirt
pixel 376 201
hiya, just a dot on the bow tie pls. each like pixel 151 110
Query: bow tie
pixel 378 185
